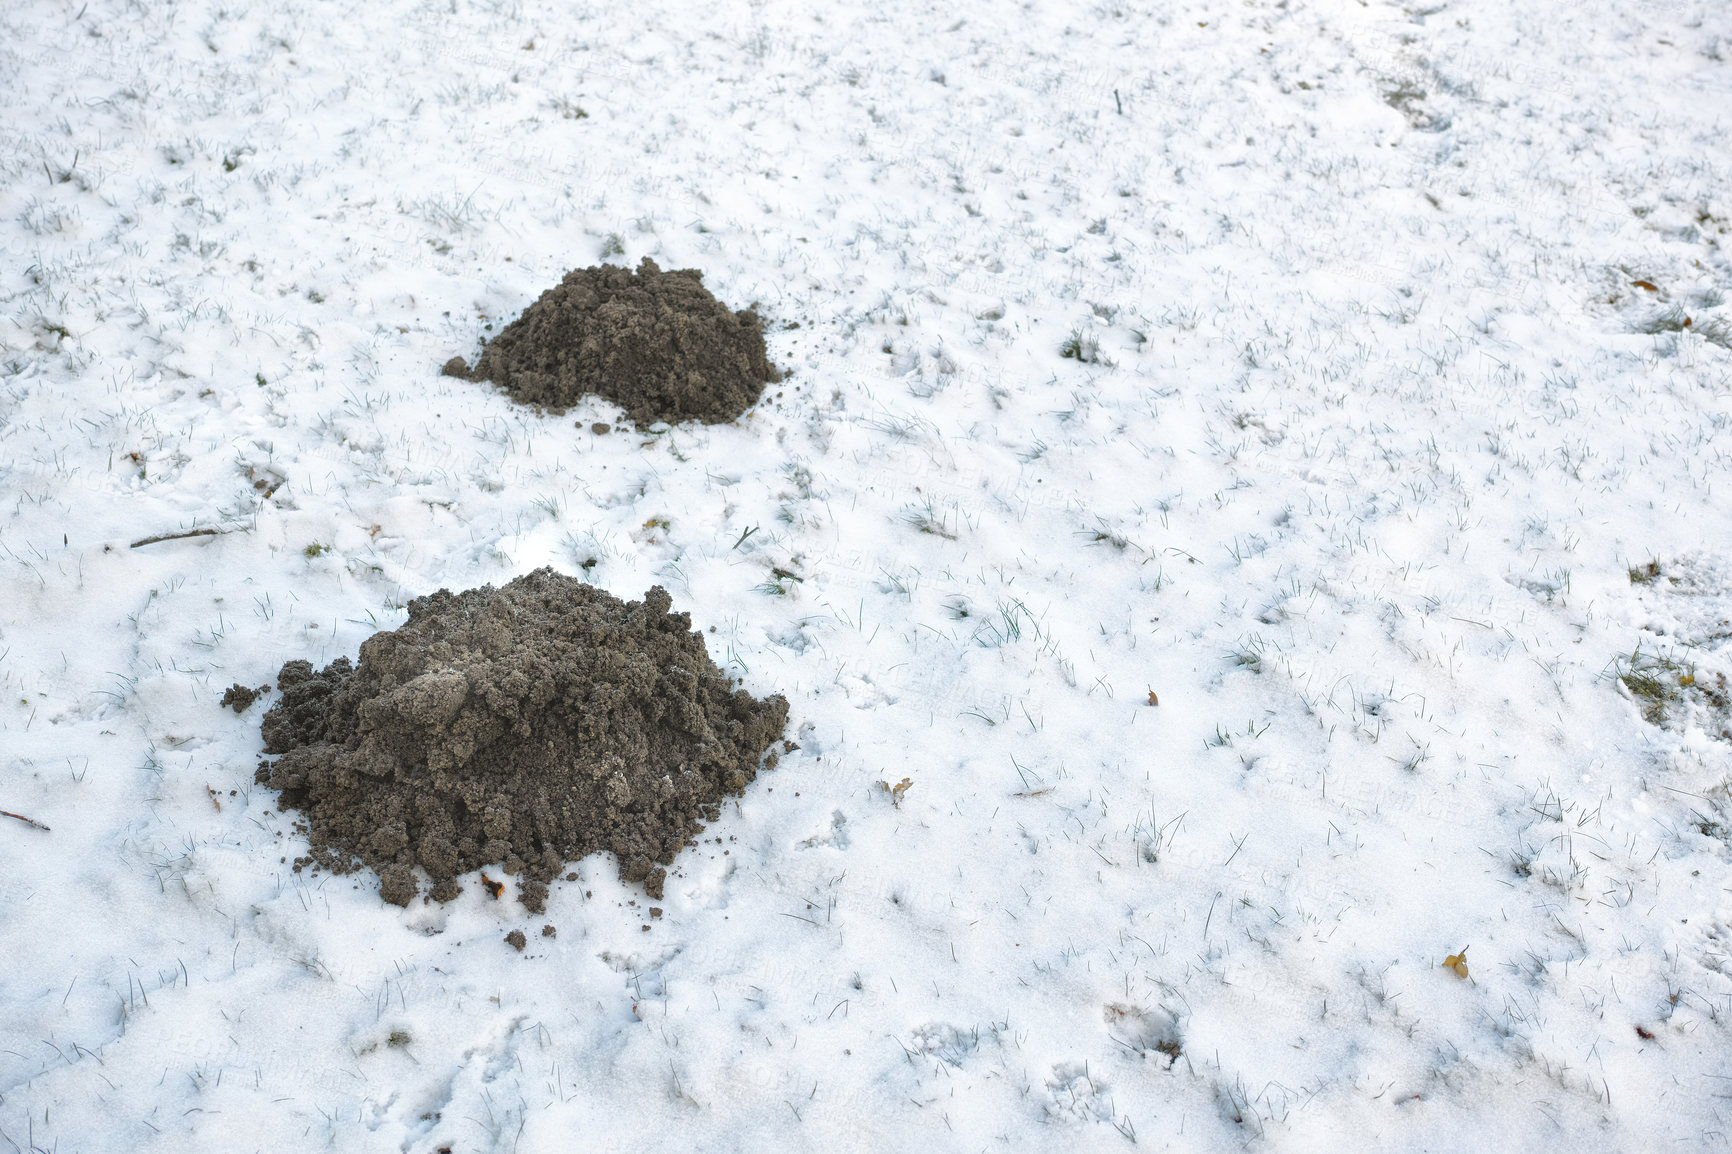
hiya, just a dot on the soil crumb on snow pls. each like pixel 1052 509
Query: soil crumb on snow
pixel 240 697
pixel 524 726
pixel 655 343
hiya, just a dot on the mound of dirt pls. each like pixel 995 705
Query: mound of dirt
pixel 655 343
pixel 524 726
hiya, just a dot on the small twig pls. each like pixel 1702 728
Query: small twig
pixel 181 536
pixel 20 817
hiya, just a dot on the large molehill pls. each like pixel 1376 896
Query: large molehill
pixel 525 727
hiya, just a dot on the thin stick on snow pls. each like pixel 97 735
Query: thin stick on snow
pixel 20 817
pixel 180 536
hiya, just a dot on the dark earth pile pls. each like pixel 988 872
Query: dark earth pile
pixel 655 343
pixel 525 726
pixel 240 697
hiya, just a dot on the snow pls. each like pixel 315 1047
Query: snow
pixel 1367 440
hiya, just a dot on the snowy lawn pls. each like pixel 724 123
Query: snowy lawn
pixel 1351 379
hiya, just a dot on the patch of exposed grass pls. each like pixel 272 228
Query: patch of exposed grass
pixel 1656 681
pixel 1645 574
pixel 1714 330
pixel 1668 690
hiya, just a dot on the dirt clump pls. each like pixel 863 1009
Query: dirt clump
pixel 240 697
pixel 655 343
pixel 523 726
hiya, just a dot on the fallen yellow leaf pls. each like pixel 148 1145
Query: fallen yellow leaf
pixel 896 791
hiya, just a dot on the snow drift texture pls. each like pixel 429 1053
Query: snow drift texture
pixel 655 343
pixel 527 725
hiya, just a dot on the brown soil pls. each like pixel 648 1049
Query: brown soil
pixel 524 726
pixel 240 698
pixel 655 343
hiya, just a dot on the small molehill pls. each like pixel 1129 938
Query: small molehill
pixel 655 343
pixel 524 726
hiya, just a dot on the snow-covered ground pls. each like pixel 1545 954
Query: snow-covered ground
pixel 1384 456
